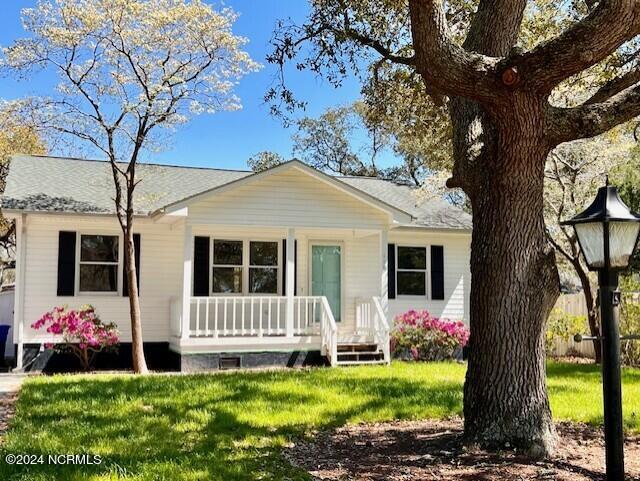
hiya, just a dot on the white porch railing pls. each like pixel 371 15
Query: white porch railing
pixel 329 333
pixel 258 316
pixel 253 316
pixel 372 321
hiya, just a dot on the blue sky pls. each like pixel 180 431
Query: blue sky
pixel 224 139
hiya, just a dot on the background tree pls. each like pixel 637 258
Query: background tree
pixel 573 174
pixel 627 178
pixel 326 143
pixel 264 160
pixel 505 120
pixel 129 69
pixel 17 136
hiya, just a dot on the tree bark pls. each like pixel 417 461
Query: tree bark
pixel 514 280
pixel 137 350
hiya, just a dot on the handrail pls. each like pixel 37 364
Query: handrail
pixel 329 332
pixel 382 329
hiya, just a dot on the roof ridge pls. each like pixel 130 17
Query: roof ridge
pixel 156 164
pixel 372 177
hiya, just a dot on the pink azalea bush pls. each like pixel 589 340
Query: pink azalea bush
pixel 82 332
pixel 419 336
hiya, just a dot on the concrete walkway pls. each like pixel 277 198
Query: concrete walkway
pixel 9 386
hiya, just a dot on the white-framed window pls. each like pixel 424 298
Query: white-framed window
pixel 263 267
pixel 227 272
pixel 411 270
pixel 245 266
pixel 98 263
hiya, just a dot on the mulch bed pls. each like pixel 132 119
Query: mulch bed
pixel 432 450
pixel 7 410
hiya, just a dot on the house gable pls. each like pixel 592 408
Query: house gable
pixel 289 195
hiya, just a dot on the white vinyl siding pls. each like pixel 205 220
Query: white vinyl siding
pixel 457 275
pixel 161 273
pixel 162 264
pixel 286 199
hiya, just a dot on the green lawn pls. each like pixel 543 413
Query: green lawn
pixel 231 427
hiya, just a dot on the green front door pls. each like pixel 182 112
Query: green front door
pixel 326 275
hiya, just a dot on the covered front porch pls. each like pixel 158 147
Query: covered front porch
pixel 328 292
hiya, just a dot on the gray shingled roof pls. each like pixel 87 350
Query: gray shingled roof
pixel 53 184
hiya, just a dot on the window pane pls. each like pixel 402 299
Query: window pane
pixel 100 248
pixel 227 280
pixel 412 257
pixel 263 253
pixel 98 278
pixel 412 283
pixel 263 280
pixel 227 252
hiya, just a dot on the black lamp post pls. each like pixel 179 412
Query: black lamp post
pixel 607 232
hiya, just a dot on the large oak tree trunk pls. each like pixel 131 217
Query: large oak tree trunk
pixel 514 277
pixel 139 362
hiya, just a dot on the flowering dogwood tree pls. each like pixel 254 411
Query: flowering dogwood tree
pixel 129 70
pixel 82 332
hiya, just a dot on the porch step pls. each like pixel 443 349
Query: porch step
pixel 357 347
pixel 358 363
pixel 353 353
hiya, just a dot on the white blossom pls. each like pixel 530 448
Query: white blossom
pixel 127 63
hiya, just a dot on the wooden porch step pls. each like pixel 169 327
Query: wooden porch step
pixel 356 363
pixel 357 347
pixel 360 354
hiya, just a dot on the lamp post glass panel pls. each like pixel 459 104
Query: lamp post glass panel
pixel 607 232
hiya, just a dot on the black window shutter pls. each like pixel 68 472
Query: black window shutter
pixel 201 266
pixel 391 270
pixel 125 280
pixel 437 272
pixel 66 263
pixel 284 267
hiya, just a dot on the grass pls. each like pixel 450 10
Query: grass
pixel 233 426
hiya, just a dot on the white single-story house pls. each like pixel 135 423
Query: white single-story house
pixel 235 267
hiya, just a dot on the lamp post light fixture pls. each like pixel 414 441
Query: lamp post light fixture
pixel 607 232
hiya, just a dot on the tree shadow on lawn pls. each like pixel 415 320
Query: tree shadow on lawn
pixel 226 427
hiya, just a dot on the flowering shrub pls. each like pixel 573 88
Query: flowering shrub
pixel 83 333
pixel 418 335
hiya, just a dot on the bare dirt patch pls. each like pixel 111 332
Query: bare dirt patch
pixel 432 450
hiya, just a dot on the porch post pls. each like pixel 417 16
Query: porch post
pixel 18 310
pixel 384 271
pixel 290 281
pixel 186 282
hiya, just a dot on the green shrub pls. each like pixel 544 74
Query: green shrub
pixel 630 320
pixel 563 326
